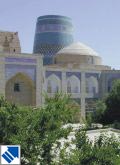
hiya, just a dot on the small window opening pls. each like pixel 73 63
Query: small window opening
pixel 16 87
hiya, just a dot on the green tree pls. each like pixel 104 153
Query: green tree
pixel 8 126
pixel 17 126
pixel 105 150
pixel 108 109
pixel 112 102
pixel 36 130
pixel 56 112
pixel 98 114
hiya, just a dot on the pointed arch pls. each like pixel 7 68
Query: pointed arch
pixel 92 85
pixel 20 89
pixel 53 84
pixel 73 84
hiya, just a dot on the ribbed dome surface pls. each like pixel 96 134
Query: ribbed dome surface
pixel 78 49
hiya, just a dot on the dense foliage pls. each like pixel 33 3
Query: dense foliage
pixel 104 151
pixel 38 129
pixel 112 102
pixel 108 109
pixel 35 129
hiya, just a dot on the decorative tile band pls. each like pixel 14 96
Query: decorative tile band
pixel 97 75
pixel 77 74
pixel 57 73
pixel 11 70
pixel 15 59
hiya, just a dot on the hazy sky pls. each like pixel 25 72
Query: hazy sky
pixel 96 22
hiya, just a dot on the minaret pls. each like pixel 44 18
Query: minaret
pixel 53 32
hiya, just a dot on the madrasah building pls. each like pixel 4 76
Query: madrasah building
pixel 58 64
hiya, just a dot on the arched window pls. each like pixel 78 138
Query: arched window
pixel 53 84
pixel 73 84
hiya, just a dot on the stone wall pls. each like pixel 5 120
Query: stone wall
pixel 21 78
pixel 20 90
pixel 106 81
pixel 9 42
pixel 73 82
pixel 2 76
pixel 79 59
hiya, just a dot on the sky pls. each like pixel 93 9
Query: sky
pixel 96 23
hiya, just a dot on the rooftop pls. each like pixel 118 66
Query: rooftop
pixel 78 49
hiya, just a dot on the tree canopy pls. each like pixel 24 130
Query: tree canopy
pixel 38 129
pixel 35 129
pixel 112 102
pixel 105 150
pixel 108 109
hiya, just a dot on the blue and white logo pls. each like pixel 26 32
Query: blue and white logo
pixel 10 154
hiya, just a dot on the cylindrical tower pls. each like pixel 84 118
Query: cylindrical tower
pixel 53 32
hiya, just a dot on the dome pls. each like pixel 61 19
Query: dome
pixel 78 49
pixel 78 53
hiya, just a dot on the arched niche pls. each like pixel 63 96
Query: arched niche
pixel 92 85
pixel 73 84
pixel 53 84
pixel 20 90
